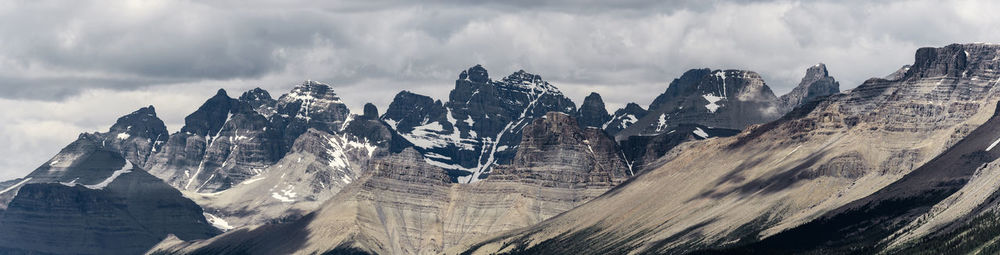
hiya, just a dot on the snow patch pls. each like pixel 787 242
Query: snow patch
pixel 101 185
pixel 286 195
pixel 994 144
pixel 661 123
pixel 248 182
pixel 123 136
pixel 15 185
pixel 701 133
pixel 712 99
pixel 217 222
pixel 70 183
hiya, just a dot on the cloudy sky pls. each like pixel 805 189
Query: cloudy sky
pixel 74 66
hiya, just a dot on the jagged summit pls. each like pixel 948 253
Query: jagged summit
pixel 255 94
pixel 815 84
pixel 141 123
pixel 592 112
pixel 479 125
pixel 732 99
pixel 529 81
pixel 370 111
pixel 311 104
pixel 211 115
pixel 260 100
pixel 624 118
pixel 476 74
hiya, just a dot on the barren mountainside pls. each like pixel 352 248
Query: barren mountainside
pixel 407 206
pixel 716 164
pixel 780 180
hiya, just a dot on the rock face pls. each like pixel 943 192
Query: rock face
pixel 592 112
pixel 407 206
pixel 221 144
pixel 624 118
pixel 256 160
pixel 228 141
pixel 898 74
pixel 91 198
pixel 817 83
pixel 134 137
pixel 551 149
pixel 641 152
pixel 260 100
pixel 310 105
pixel 866 171
pixel 318 166
pixel 732 99
pixel 481 123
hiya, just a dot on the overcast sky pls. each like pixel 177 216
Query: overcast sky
pixel 68 67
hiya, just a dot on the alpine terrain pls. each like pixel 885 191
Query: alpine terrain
pixel 716 163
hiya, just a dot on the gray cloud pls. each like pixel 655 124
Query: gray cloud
pixel 110 58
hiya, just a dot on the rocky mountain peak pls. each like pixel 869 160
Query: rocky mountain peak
pixel 715 86
pixel 817 71
pixel 592 112
pixel 140 123
pixel 529 81
pixel 623 118
pixel 256 94
pixel 476 74
pixel 480 124
pixel 731 99
pixel 815 84
pixel 370 111
pixel 409 110
pixel 260 100
pixel 310 90
pixel 631 107
pixel 312 104
pixel 211 115
pixel 953 60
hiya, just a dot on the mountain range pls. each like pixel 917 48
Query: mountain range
pixel 715 164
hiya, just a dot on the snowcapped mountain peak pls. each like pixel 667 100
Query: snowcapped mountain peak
pixel 311 90
pixel 255 94
pixel 529 81
pixel 260 100
pixel 141 123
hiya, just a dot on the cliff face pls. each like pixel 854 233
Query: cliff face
pixel 624 118
pixel 407 206
pixel 228 141
pixel 732 99
pixel 816 84
pixel 222 143
pixel 318 166
pixel 642 152
pixel 726 193
pixel 92 198
pixel 480 124
pixel 592 112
